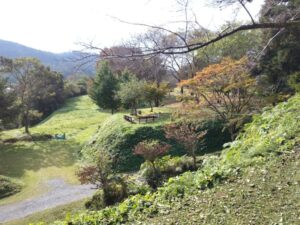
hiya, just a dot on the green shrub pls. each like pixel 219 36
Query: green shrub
pixel 96 202
pixel 115 192
pixel 215 137
pixel 8 186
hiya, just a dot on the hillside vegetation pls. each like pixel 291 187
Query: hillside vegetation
pixel 118 137
pixel 270 140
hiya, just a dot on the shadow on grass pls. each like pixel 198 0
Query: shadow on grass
pixel 16 158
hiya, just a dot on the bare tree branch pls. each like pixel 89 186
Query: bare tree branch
pixel 247 11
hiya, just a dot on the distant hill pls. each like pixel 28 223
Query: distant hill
pixel 59 62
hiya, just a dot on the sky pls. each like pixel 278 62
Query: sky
pixel 59 25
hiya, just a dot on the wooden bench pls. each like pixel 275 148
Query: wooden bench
pixel 129 119
pixel 148 118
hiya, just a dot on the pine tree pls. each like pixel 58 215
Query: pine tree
pixel 104 89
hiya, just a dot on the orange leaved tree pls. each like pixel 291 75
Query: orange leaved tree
pixel 227 89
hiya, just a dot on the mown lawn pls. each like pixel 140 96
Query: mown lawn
pixel 33 163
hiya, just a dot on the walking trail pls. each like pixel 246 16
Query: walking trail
pixel 60 193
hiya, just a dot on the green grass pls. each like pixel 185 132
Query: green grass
pixel 264 194
pixel 119 137
pixel 50 215
pixel 259 173
pixel 35 162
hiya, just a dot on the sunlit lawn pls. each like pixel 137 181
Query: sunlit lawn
pixel 35 162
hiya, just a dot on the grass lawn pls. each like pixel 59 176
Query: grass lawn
pixel 35 162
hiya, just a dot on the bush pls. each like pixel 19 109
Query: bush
pixel 8 186
pixel 168 166
pixel 115 192
pixel 96 202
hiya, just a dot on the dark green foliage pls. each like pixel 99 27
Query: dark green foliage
pixel 75 87
pixel 294 81
pixel 167 167
pixel 49 90
pixel 39 90
pixel 104 89
pixel 115 192
pixel 120 142
pixel 8 109
pixel 281 58
pixel 96 202
pixel 8 187
pixel 215 137
pixel 131 93
pixel 118 138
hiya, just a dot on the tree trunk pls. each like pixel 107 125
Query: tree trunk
pixel 26 121
pixel 232 131
pixel 194 162
pixel 151 106
pixel 154 169
pixel 156 103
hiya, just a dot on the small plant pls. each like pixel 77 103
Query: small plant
pixel 114 188
pixel 151 150
pixel 187 135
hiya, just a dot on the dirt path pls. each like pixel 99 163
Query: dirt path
pixel 60 193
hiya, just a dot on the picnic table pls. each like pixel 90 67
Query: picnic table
pixel 145 118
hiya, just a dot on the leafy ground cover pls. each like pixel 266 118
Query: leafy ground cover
pixel 268 194
pixel 270 140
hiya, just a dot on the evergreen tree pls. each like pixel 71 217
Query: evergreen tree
pixel 282 56
pixel 104 89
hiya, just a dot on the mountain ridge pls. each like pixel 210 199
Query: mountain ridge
pixel 60 62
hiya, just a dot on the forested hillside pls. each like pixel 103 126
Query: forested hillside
pixel 61 62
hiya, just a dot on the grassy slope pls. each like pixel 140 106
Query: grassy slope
pixel 35 162
pixel 268 194
pixel 119 137
pixel 259 179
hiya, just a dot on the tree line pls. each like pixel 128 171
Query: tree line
pixel 111 90
pixel 30 91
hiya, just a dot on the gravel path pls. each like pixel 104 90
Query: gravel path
pixel 60 194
